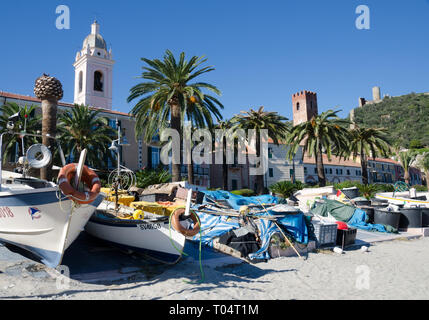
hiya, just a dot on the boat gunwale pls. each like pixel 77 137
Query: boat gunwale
pixel 25 191
pixel 117 221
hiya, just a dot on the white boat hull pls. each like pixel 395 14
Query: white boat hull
pixel 403 198
pixel 36 221
pixel 154 239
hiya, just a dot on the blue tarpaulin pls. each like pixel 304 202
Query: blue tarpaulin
pixel 358 220
pixel 238 201
pixel 213 226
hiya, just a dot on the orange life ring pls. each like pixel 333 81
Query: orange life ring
pixel 89 177
pixel 178 226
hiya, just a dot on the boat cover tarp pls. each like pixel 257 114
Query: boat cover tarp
pixel 214 226
pixel 238 201
pixel 353 216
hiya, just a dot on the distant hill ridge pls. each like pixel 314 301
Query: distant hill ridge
pixel 405 117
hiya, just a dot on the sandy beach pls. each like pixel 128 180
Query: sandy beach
pixel 389 270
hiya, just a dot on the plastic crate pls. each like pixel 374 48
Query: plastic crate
pixel 326 234
pixel 349 237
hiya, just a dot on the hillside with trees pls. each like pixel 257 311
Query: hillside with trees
pixel 406 118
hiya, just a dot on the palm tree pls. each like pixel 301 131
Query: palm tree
pixel 49 90
pixel 324 133
pixel 260 120
pixel 168 94
pixel 364 142
pixel 82 128
pixel 226 127
pixel 406 158
pixel 26 119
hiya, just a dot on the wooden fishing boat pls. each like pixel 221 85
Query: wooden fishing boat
pixel 35 217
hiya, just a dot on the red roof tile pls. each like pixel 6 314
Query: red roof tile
pixel 63 104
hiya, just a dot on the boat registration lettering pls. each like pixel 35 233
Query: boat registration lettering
pixel 5 212
pixel 150 226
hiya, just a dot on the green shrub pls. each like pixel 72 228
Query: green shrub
pixel 314 186
pixel 420 188
pixel 146 178
pixel 244 193
pixel 384 188
pixel 368 191
pixel 347 184
pixel 285 189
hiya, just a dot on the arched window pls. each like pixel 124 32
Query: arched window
pixel 297 106
pixel 98 81
pixel 80 81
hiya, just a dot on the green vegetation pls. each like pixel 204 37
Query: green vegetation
pixel 244 193
pixel 82 128
pixel 420 188
pixel 425 166
pixel 365 190
pixel 363 142
pixel 406 118
pixel 406 158
pixel 13 144
pixel 285 189
pixel 259 120
pixel 167 97
pixel 384 188
pixel 346 184
pixel 323 133
pixel 368 191
pixel 146 178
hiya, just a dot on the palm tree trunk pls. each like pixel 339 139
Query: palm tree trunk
pixel 225 167
pixel 320 167
pixel 176 124
pixel 364 166
pixel 259 178
pixel 191 173
pixel 49 127
pixel 427 178
pixel 407 176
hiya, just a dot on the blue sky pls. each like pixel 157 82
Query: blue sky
pixel 263 51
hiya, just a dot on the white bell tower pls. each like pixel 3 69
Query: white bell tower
pixel 93 72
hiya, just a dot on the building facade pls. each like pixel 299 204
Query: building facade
pixel 282 169
pixel 336 170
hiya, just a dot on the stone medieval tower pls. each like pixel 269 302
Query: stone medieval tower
pixel 304 106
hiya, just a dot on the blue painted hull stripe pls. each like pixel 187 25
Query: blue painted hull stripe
pixel 29 199
pixel 112 224
pixel 36 199
pixel 119 224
